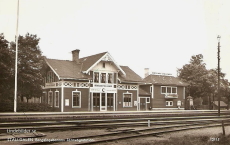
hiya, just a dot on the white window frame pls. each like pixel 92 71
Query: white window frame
pixel 55 97
pixel 106 77
pixel 151 89
pixel 166 89
pixel 79 99
pixel 169 103
pixel 50 103
pixel 131 103
pixel 112 79
pixel 147 98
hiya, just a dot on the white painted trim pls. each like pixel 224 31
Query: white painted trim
pixel 166 89
pixel 175 108
pixel 131 100
pixel 169 103
pixel 183 92
pixel 137 95
pixel 52 69
pixel 50 98
pixel 152 91
pixel 101 59
pixel 62 98
pixel 55 99
pixel 79 99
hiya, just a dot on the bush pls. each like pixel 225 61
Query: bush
pixel 8 106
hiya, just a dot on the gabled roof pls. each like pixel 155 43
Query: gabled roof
pixel 143 92
pixel 65 69
pixel 222 104
pixel 131 76
pixel 164 80
pixel 88 61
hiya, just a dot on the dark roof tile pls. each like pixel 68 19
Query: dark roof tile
pixel 164 80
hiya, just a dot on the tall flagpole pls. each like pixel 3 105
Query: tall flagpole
pixel 16 63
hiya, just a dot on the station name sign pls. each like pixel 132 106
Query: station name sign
pixel 103 85
pixel 103 90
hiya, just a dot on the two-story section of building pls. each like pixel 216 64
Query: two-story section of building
pixel 165 91
pixel 93 83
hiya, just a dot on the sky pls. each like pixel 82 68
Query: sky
pixel 161 35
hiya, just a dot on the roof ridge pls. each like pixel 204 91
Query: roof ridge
pixel 92 55
pixel 59 59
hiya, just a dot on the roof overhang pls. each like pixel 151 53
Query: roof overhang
pixel 52 69
pixel 106 57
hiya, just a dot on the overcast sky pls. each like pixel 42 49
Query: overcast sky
pixel 158 34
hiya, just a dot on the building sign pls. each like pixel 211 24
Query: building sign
pixel 103 90
pixel 66 102
pixel 103 85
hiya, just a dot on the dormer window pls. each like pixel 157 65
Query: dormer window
pixel 110 78
pixel 96 77
pixel 103 77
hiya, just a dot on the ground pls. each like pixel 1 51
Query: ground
pixel 210 134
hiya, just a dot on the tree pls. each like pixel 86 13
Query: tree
pixel 202 82
pixel 30 63
pixel 195 74
pixel 6 67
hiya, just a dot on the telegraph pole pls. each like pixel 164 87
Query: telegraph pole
pixel 218 57
pixel 16 63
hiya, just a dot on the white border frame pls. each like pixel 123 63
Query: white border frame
pixel 79 99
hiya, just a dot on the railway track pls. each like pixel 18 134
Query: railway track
pixel 137 124
pixel 113 134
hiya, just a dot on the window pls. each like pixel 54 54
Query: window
pixel 148 100
pixel 103 77
pixel 44 97
pixel 127 100
pixel 151 89
pixel 169 103
pixel 76 98
pixel 96 77
pixel 110 78
pixel 56 98
pixel 103 65
pixel 50 98
pixel 168 90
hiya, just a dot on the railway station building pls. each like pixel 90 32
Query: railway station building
pixel 98 83
pixel 93 83
pixel 165 90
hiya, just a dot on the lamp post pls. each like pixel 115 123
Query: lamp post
pixel 218 57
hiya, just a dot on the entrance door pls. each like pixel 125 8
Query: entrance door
pixel 103 102
pixel 96 101
pixel 142 104
pixel 110 101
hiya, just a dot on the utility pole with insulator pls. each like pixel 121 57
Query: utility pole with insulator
pixel 218 57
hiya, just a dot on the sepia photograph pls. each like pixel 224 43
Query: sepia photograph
pixel 115 72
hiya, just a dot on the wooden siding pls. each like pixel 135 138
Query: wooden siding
pixel 120 99
pixel 84 99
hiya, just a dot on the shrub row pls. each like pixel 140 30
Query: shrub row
pixel 8 106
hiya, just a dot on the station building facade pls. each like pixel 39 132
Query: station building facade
pixel 93 83
pixel 165 91
pixel 98 83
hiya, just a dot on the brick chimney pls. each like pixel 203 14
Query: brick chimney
pixel 146 72
pixel 75 55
